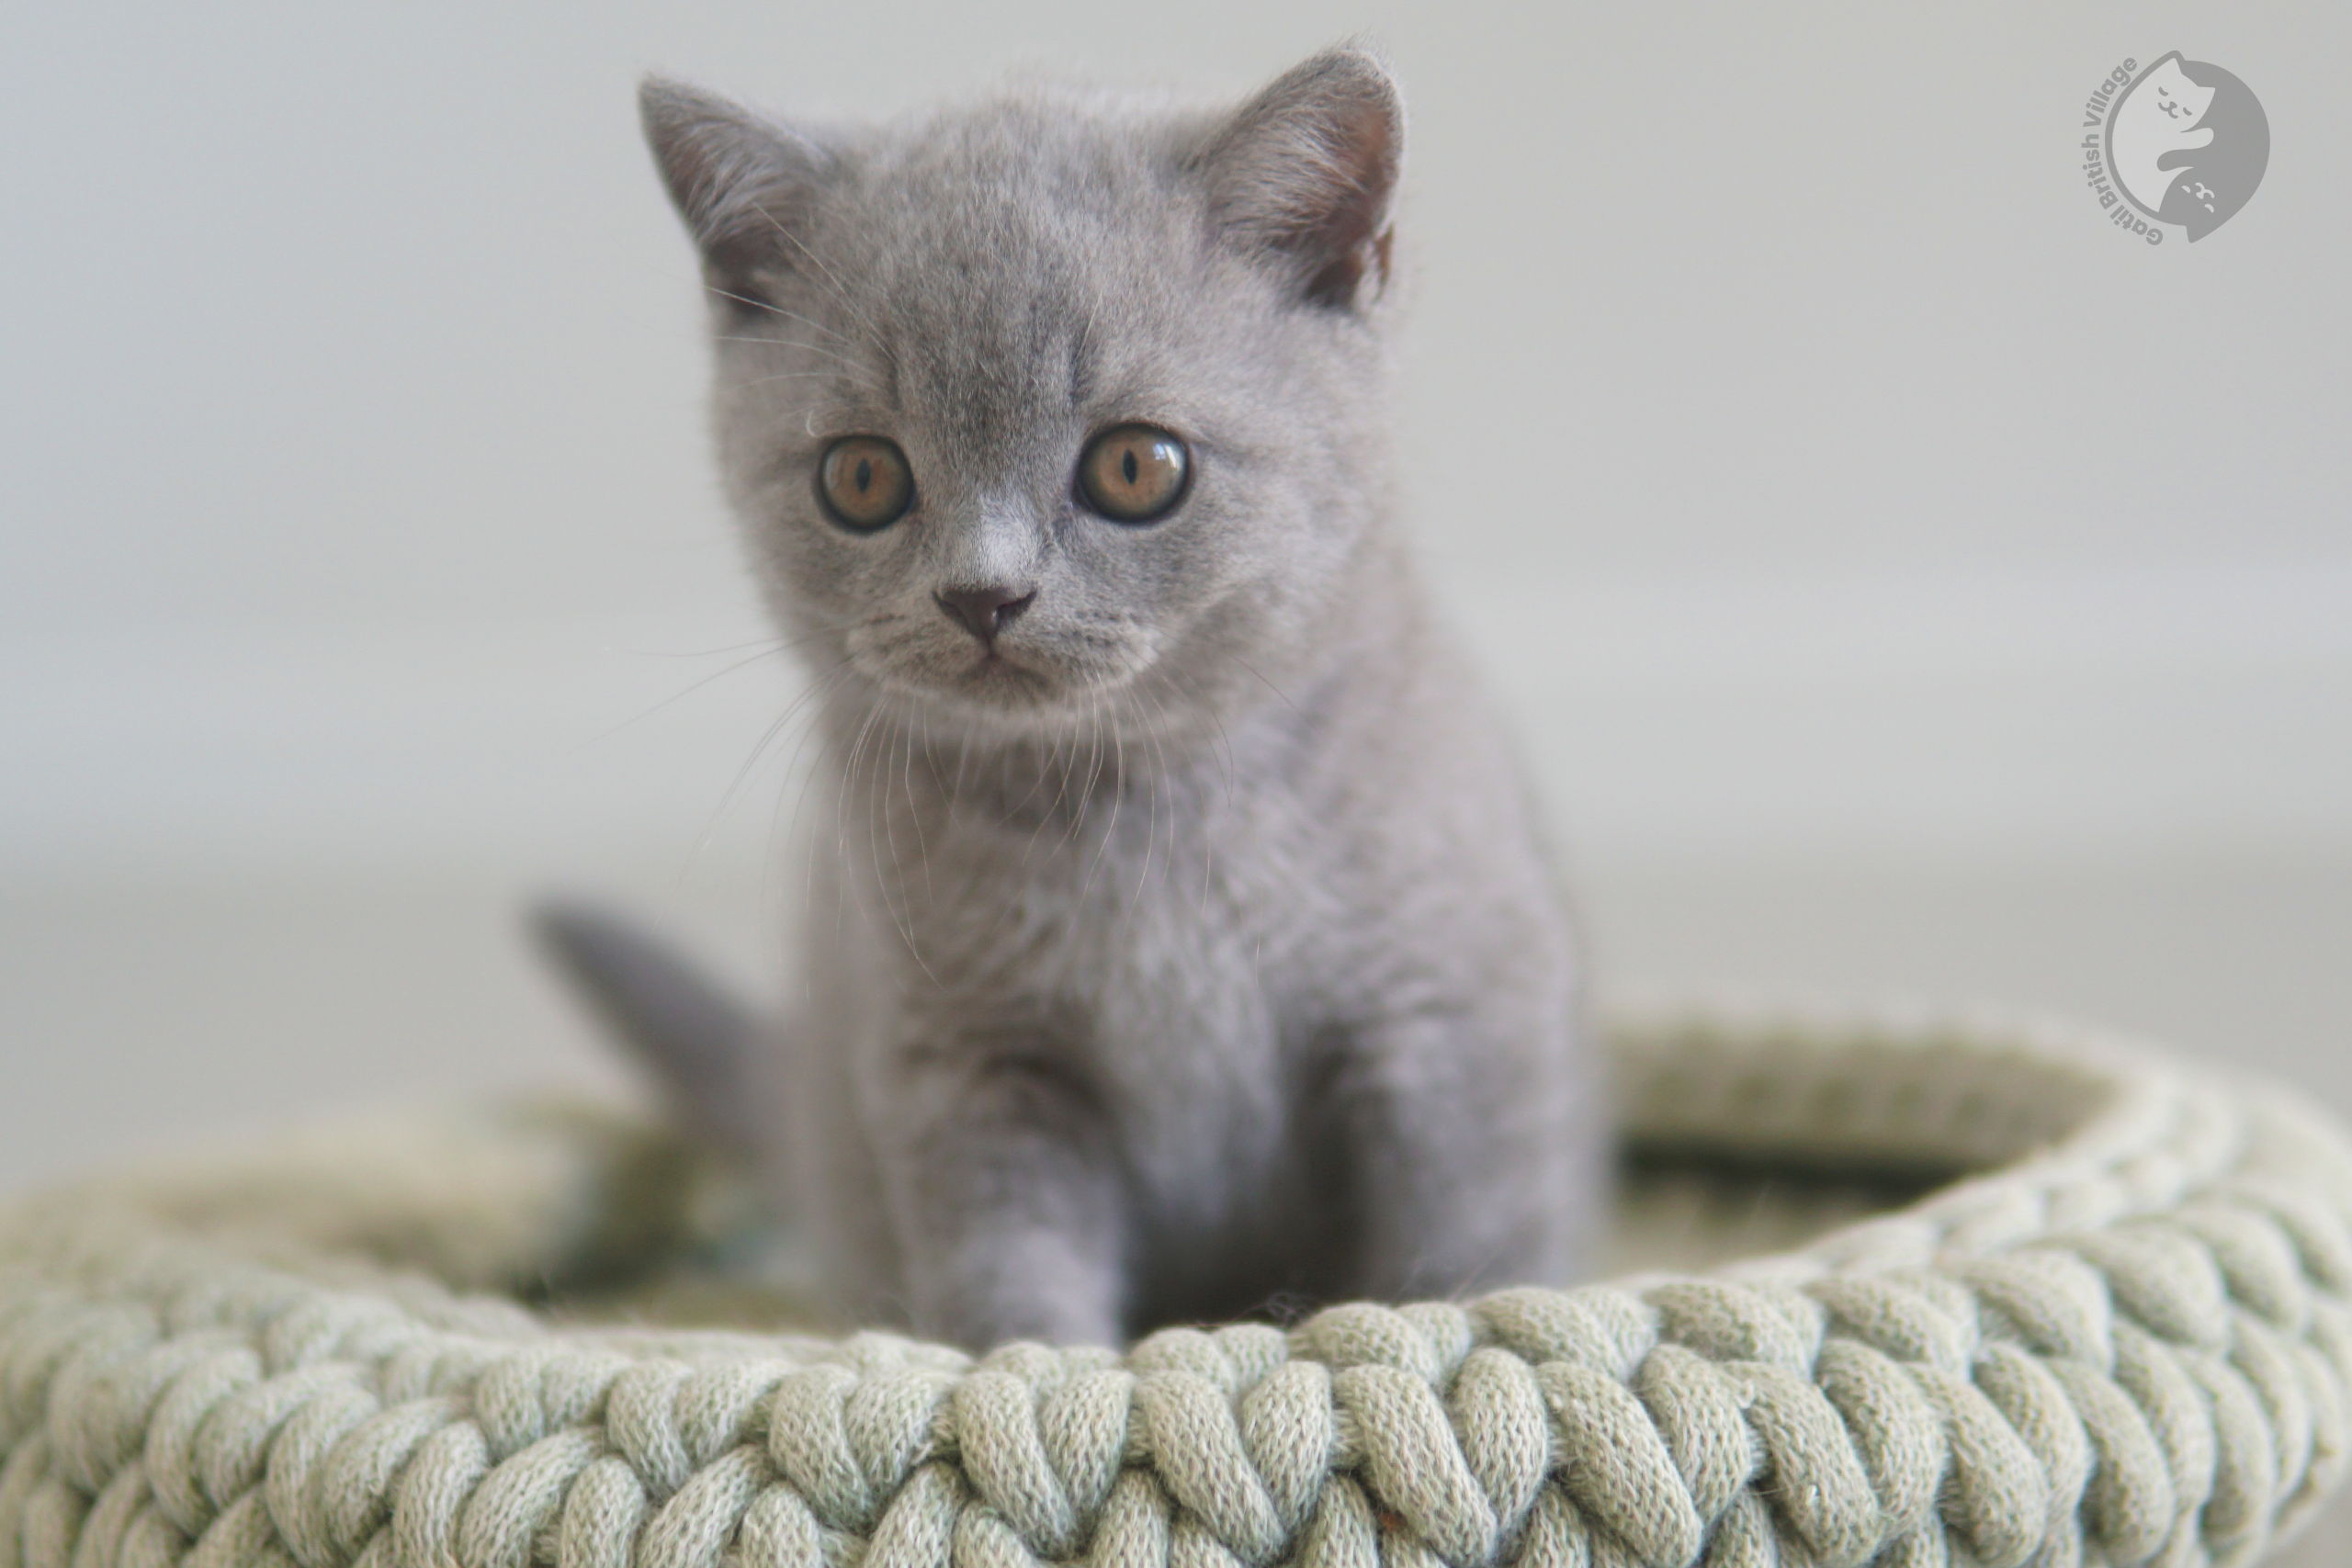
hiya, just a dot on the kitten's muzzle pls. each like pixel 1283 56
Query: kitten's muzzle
pixel 985 612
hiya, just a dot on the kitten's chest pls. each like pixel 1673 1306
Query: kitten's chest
pixel 1165 934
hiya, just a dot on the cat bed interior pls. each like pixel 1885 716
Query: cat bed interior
pixel 2104 1321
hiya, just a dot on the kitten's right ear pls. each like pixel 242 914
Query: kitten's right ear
pixel 742 183
pixel 1306 174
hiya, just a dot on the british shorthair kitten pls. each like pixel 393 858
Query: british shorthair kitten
pixel 1184 938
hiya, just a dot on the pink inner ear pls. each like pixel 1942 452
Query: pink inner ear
pixel 1340 283
pixel 1362 171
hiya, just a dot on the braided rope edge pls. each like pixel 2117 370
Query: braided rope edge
pixel 2132 1345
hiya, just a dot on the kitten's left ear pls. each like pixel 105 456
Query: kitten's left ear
pixel 743 182
pixel 1306 172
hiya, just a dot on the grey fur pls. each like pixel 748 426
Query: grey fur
pixel 707 1049
pixel 1191 945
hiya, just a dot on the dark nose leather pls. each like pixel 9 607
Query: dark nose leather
pixel 985 612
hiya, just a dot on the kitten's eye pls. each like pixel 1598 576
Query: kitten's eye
pixel 1134 473
pixel 865 482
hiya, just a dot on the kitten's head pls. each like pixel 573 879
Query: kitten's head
pixel 1030 404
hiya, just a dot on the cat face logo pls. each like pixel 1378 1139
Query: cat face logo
pixel 2187 143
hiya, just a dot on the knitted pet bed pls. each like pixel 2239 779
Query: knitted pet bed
pixel 2125 1339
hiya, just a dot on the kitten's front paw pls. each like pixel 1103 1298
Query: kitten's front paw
pixel 1033 1287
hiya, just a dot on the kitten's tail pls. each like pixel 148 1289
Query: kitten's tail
pixel 703 1046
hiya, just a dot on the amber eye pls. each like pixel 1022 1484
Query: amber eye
pixel 1134 473
pixel 865 482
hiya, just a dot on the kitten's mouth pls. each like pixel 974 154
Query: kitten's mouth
pixel 994 670
pixel 987 678
pixel 1021 683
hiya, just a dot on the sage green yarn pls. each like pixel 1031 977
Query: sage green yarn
pixel 2130 1342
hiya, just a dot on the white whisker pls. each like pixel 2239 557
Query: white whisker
pixel 776 309
pixel 839 292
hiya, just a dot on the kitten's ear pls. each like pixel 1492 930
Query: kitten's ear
pixel 742 183
pixel 1306 172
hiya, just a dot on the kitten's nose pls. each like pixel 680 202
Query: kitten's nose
pixel 985 611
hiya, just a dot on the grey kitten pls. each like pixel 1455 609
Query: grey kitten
pixel 1185 942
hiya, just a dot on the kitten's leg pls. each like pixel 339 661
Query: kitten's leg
pixel 1474 1150
pixel 1004 1190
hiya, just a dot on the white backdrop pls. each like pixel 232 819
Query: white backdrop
pixel 1826 480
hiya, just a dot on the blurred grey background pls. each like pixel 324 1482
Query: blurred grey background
pixel 1905 582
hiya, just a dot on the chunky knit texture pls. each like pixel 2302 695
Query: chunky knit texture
pixel 2130 1343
